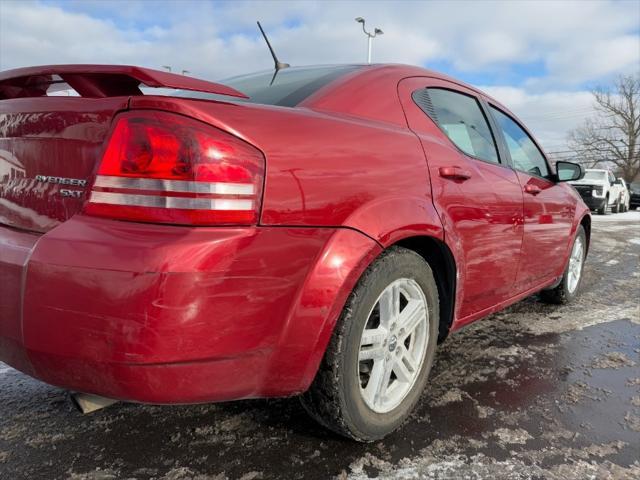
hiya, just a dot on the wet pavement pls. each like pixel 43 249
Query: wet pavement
pixel 536 391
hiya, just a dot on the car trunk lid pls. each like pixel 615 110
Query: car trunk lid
pixel 50 144
pixel 49 148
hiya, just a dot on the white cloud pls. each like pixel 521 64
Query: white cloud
pixel 550 115
pixel 575 40
pixel 573 43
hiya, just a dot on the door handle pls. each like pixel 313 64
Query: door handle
pixel 532 189
pixel 454 173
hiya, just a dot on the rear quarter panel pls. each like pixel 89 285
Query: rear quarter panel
pixel 368 178
pixel 329 169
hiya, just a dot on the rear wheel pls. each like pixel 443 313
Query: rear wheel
pixel 569 286
pixel 377 363
pixel 605 207
pixel 617 207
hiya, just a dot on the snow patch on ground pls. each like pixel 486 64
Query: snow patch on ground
pixel 565 322
pixel 511 437
pixel 613 262
pixel 479 466
pixel 613 360
pixel 633 421
pixel 632 216
pixel 635 241
pixel 454 395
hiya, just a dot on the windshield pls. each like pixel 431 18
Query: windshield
pixel 289 87
pixel 595 175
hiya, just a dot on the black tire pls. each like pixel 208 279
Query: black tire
pixel 605 207
pixel 561 294
pixel 617 207
pixel 334 398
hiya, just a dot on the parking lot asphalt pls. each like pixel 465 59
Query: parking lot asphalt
pixel 536 391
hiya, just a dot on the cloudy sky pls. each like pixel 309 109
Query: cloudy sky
pixel 540 58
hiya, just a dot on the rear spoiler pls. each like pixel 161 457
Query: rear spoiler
pixel 98 81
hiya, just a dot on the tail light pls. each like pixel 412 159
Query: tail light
pixel 165 168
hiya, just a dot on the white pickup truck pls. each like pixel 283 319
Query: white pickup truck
pixel 600 191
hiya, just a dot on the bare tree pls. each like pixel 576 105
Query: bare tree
pixel 613 136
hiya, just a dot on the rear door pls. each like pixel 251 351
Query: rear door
pixel 475 191
pixel 549 207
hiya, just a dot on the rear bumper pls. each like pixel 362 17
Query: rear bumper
pixel 170 314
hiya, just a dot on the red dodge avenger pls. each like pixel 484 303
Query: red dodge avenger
pixel 166 240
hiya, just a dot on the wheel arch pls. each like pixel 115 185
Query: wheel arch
pixel 585 221
pixel 317 310
pixel 413 223
pixel 442 262
pixel 408 222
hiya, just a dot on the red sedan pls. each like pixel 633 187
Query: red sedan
pixel 315 234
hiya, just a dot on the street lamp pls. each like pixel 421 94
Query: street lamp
pixel 370 36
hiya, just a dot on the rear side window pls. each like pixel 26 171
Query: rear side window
pixel 286 89
pixel 524 153
pixel 461 119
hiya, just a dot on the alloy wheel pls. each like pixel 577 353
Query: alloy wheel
pixel 575 265
pixel 393 345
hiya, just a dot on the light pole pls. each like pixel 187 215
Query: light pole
pixel 370 37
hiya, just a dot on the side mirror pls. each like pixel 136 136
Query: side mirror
pixel 568 171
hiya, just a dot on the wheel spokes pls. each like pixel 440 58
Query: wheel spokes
pixel 389 305
pixel 376 389
pixel 404 367
pixel 374 336
pixel 410 317
pixel 371 353
pixel 387 367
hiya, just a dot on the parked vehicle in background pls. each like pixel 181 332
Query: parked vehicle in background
pixel 600 190
pixel 625 195
pixel 634 195
pixel 312 234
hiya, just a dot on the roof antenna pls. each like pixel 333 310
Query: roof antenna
pixel 278 64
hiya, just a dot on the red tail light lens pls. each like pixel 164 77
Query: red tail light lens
pixel 165 168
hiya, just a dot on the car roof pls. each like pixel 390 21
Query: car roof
pixel 400 71
pixel 370 91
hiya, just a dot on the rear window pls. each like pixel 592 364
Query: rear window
pixel 289 87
